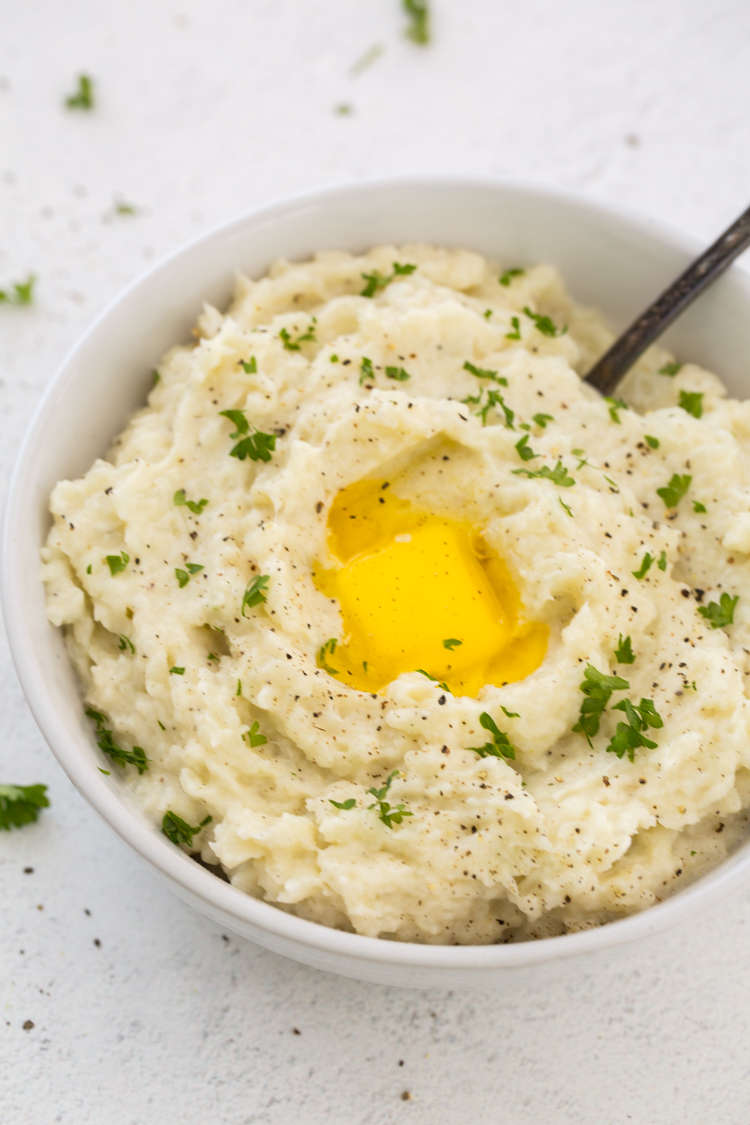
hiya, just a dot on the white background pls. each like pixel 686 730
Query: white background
pixel 143 1011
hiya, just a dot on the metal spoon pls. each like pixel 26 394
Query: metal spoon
pixel 607 372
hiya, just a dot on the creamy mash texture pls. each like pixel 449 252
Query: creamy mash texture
pixel 400 625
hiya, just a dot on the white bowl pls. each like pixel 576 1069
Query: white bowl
pixel 609 259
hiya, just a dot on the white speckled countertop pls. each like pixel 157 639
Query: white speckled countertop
pixel 142 1011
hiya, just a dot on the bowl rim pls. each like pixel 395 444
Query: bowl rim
pixel 195 882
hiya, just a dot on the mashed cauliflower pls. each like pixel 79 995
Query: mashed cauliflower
pixel 184 568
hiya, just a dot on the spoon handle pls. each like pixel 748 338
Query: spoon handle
pixel 607 372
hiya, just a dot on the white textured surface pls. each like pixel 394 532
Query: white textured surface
pixel 204 111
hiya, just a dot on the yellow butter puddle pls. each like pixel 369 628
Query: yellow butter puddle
pixel 421 592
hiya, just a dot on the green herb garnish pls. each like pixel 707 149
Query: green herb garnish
pixel 565 506
pixel 294 345
pixel 451 643
pixel 178 831
pixel 662 563
pixel 558 475
pixel 398 374
pixel 523 450
pixel 346 805
pixel 615 405
pixel 624 652
pixel 485 373
pixel 494 398
pixel 692 401
pixel 652 441
pixel 698 507
pixel 544 324
pixel 106 742
pixel 516 333
pixel 324 651
pixel 673 492
pixel 183 576
pixel 644 567
pixel 377 281
pixel 670 369
pixel 510 714
pixel 500 747
pixel 255 592
pixel 542 420
pixel 20 293
pixel 117 563
pixel 720 613
pixel 419 21
pixel 126 643
pixel 20 804
pixel 597 687
pixel 507 276
pixel 365 370
pixel 434 679
pixel 83 98
pixel 629 736
pixel 176 671
pixel 195 506
pixel 254 737
pixel 250 366
pixel 389 814
pixel 257 445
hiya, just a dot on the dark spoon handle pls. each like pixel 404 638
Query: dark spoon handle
pixel 607 372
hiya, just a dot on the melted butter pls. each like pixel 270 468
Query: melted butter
pixel 410 580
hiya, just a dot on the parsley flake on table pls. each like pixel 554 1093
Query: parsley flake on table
pixel 346 805
pixel 630 735
pixel 83 98
pixel 670 369
pixel 624 652
pixel 543 323
pixel 20 804
pixel 597 687
pixel 558 475
pixel 20 292
pixel 179 831
pixel 673 492
pixel 195 506
pixel 106 742
pixel 294 345
pixel 324 652
pixel 615 406
pixel 398 374
pixel 377 281
pixel 419 21
pixel 254 737
pixel 507 276
pixel 523 450
pixel 451 643
pixel 389 814
pixel 643 569
pixel 720 613
pixel 117 563
pixel 255 592
pixel 500 747
pixel 692 402
pixel 485 373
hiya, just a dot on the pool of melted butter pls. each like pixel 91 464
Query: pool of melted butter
pixel 421 592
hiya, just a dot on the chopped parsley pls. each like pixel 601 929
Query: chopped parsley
pixel 434 679
pixel 487 314
pixel 544 324
pixel 294 345
pixel 178 831
pixel 485 373
pixel 250 366
pixel 239 688
pixel 451 643
pixel 629 736
pixel 662 563
pixel 255 592
pixel 624 652
pixel 510 714
pixel 183 576
pixel 566 507
pixel 698 507
pixel 494 398
pixel 254 737
pixel 419 21
pixel 720 613
pixel 83 98
pixel 615 406
pixel 88 569
pixel 117 563
pixel 516 333
pixel 324 652
pixel 195 506
pixel 597 687
pixel 558 475
pixel 212 656
pixel 126 643
pixel 398 374
pixel 507 276
pixel 346 805
pixel 673 492
pixel 20 293
pixel 377 281
pixel 257 445
pixel 523 450
pixel 20 804
pixel 670 369
pixel 652 441
pixel 365 370
pixel 692 401
pixel 389 814
pixel 542 420
pixel 175 671
pixel 123 208
pixel 644 567
pixel 106 742
pixel 500 747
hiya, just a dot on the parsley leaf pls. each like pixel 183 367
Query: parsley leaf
pixel 698 507
pixel 348 804
pixel 558 475
pixel 117 563
pixel 434 679
pixel 597 687
pixel 195 568
pixel 294 345
pixel 670 369
pixel 510 714
pixel 644 567
pixel 20 804
pixel 662 563
pixel 616 404
pixel 485 373
pixel 507 276
pixel 494 398
pixel 178 831
pixel 542 420
pixel 250 366
pixel 377 281
pixel 175 671
pixel 516 333
pixel 323 652
pixel 255 592
pixel 238 419
pixel 565 506
pixel 258 447
pixel 419 21
pixel 22 292
pixel 500 747
pixel 544 324
pixel 83 98
pixel 624 652
pixel 389 814
pixel 126 643
pixel 451 643
pixel 182 576
pixel 673 492
pixel 365 370
pixel 629 736
pixel 195 506
pixel 398 374
pixel 692 401
pixel 652 441
pixel 524 452
pixel 106 742
pixel 720 613
pixel 254 737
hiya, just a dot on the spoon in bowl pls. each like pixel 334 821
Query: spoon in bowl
pixel 607 372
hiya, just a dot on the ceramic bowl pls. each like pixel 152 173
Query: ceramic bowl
pixel 609 258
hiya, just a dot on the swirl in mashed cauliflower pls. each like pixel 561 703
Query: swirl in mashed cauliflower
pixel 342 579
